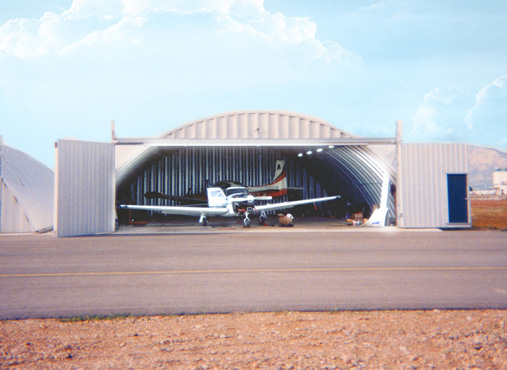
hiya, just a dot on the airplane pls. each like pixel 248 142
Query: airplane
pixel 235 201
pixel 276 188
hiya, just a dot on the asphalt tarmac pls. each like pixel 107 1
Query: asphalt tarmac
pixel 190 269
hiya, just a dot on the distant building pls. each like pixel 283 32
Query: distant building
pixel 500 181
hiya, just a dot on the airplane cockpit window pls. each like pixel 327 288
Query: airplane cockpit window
pixel 240 192
pixel 227 184
pixel 215 193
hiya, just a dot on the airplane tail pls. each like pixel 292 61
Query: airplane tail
pixel 280 178
pixel 276 188
pixel 279 169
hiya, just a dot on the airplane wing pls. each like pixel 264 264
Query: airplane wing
pixel 180 210
pixel 284 205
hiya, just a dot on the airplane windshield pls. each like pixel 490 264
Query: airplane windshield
pixel 237 191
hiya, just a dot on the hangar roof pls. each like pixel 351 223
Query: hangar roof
pixel 257 125
pixel 267 128
pixel 26 192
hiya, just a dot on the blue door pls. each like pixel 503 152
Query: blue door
pixel 457 197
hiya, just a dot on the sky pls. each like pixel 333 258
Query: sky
pixel 70 67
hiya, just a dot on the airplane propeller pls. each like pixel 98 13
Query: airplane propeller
pixel 249 199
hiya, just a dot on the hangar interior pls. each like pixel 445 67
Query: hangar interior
pixel 244 147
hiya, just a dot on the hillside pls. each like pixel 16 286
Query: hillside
pixel 482 162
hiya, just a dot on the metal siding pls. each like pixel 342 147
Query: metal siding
pixel 251 166
pixel 424 170
pixel 85 188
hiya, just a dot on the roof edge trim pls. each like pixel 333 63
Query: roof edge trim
pixel 171 142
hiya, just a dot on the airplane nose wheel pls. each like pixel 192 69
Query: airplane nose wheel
pixel 246 222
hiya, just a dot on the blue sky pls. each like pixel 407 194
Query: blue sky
pixel 67 68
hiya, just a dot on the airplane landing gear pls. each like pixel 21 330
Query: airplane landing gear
pixel 263 219
pixel 246 221
pixel 203 221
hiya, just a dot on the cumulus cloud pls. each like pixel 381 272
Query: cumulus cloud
pixel 20 38
pixel 449 114
pixel 89 21
pixel 440 117
pixel 141 60
pixel 81 9
pixel 488 116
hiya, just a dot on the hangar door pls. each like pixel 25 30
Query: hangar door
pixel 84 188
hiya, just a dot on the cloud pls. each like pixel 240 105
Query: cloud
pixel 488 117
pixel 134 59
pixel 148 60
pixel 81 9
pixel 440 117
pixel 449 114
pixel 89 22
pixel 20 38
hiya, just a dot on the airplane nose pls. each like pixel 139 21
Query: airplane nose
pixel 250 198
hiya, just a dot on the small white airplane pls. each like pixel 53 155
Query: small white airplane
pixel 235 201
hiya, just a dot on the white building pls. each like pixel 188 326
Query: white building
pixel 500 181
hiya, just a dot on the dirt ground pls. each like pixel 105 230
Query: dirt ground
pixel 489 213
pixel 287 340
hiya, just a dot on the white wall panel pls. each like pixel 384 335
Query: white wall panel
pixel 84 188
pixel 422 183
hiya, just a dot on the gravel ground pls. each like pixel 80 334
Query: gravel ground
pixel 287 340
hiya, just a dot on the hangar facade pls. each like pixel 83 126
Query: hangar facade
pixel 427 187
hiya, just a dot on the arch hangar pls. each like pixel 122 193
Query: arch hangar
pixel 244 146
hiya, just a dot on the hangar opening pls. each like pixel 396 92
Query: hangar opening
pixel 246 147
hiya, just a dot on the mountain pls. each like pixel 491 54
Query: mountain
pixel 482 162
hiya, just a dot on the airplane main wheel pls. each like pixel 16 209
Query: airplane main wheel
pixel 246 222
pixel 205 222
pixel 263 220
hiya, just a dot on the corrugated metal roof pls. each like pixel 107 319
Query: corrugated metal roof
pixel 27 196
pixel 257 125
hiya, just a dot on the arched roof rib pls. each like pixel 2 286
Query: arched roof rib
pixel 345 164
